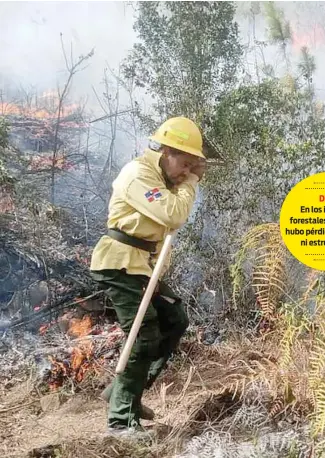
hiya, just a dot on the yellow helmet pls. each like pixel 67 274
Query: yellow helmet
pixel 180 133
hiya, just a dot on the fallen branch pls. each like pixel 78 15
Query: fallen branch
pixel 48 310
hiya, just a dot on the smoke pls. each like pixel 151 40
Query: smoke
pixel 306 21
pixel 31 53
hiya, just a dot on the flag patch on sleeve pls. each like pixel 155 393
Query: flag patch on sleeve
pixel 153 194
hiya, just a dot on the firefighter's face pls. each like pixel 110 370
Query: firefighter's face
pixel 177 165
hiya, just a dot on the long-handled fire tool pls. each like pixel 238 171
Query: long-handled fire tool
pixel 147 297
pixel 144 304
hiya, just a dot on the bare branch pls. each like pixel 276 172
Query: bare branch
pixel 64 53
pixel 112 115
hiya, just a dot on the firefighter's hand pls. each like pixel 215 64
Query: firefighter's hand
pixel 200 168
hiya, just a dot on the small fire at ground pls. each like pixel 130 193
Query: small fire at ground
pixel 80 327
pixel 92 347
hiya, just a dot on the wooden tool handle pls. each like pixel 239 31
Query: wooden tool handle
pixel 144 305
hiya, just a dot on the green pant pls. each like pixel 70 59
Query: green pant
pixel 163 325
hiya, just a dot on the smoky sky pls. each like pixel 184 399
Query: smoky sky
pixel 31 53
pixel 307 24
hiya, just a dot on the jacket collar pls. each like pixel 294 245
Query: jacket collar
pixel 153 157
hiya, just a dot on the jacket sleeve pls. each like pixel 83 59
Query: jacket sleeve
pixel 158 203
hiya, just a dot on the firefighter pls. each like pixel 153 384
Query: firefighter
pixel 152 195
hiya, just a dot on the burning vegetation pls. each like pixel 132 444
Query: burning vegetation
pixel 249 380
pixel 42 130
pixel 91 349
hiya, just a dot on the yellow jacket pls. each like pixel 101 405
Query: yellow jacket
pixel 142 206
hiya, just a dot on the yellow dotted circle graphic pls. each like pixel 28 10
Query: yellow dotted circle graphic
pixel 302 221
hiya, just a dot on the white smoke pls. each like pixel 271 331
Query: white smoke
pixel 31 53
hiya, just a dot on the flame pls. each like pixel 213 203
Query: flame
pixel 12 109
pixel 82 356
pixel 37 308
pixel 312 39
pixel 81 360
pixel 46 162
pixel 49 102
pixel 59 370
pixel 85 357
pixel 43 329
pixel 80 328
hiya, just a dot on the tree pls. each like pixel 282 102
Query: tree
pixel 186 58
pixel 72 68
pixel 307 67
pixel 272 137
pixel 278 28
pixel 187 55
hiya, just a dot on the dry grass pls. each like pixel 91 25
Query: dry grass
pixel 107 448
pixel 234 385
